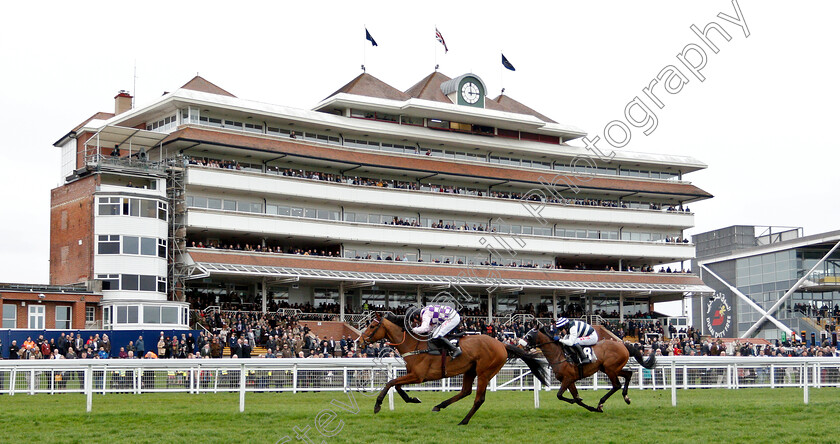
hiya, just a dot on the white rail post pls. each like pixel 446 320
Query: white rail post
pixel 12 381
pixel 805 381
pixel 89 387
pixel 536 393
pixel 391 375
pixel 242 388
pixel 673 382
pixel 294 378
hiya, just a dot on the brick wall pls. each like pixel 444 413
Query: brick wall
pixel 330 329
pixel 71 221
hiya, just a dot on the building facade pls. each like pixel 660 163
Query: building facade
pixel 376 197
pixel 768 283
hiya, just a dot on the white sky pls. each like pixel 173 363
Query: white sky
pixel 763 119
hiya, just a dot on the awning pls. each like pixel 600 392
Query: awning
pixel 470 281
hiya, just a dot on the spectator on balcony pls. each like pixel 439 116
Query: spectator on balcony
pixel 140 346
pixel 13 350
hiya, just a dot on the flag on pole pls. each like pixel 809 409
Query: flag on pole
pixel 440 39
pixel 370 37
pixel 507 64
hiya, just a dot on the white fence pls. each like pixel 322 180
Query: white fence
pixel 368 375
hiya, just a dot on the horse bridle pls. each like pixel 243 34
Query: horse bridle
pixel 550 341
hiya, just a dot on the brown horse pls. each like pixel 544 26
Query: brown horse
pixel 481 357
pixel 611 357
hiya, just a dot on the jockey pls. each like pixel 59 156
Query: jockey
pixel 440 319
pixel 579 335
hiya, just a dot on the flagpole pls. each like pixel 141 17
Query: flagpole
pixel 364 51
pixel 435 48
pixel 501 72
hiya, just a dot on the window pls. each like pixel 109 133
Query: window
pixel 130 282
pixel 90 314
pixel 148 246
pixel 162 207
pixel 161 245
pixel 169 315
pixel 148 283
pixel 131 207
pixel 161 284
pixel 151 314
pixel 214 204
pixel 127 314
pixel 36 316
pixel 109 206
pixel 109 281
pixel 109 244
pixel 63 316
pixel 229 205
pixel 131 245
pixel 9 315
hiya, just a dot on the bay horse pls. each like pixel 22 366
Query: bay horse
pixel 611 357
pixel 481 357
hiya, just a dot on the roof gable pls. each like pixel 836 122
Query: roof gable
pixel 429 88
pixel 201 84
pixel 510 105
pixel 368 85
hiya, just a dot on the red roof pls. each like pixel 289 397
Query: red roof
pixel 199 83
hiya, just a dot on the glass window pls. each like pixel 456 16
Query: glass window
pixel 214 204
pixel 297 212
pixel 161 284
pixel 132 314
pixel 109 244
pixel 229 205
pixel 169 315
pixel 90 314
pixel 200 202
pixel 161 246
pixel 109 281
pixel 148 208
pixel 122 315
pixel 36 316
pixel 130 282
pixel 109 206
pixel 283 211
pixel 148 246
pixel 9 316
pixel 131 207
pixel 151 314
pixel 148 283
pixel 63 315
pixel 309 213
pixel 131 245
pixel 162 208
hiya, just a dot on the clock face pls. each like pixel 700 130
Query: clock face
pixel 470 92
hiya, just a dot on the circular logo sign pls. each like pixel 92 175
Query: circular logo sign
pixel 718 315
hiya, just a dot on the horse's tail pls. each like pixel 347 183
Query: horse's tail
pixel 530 359
pixel 635 353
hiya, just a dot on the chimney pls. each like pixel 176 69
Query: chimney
pixel 122 102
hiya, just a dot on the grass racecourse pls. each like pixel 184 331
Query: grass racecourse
pixel 702 416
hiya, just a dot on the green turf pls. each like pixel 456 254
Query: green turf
pixel 750 415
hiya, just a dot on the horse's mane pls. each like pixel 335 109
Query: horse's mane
pixel 399 321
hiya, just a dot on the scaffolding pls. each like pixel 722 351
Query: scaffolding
pixel 176 192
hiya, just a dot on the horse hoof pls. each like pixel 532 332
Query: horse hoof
pixel 414 400
pixel 600 408
pixel 627 399
pixel 436 408
pixel 464 422
pixel 376 409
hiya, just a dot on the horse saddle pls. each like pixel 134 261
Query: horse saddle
pixel 587 355
pixel 435 350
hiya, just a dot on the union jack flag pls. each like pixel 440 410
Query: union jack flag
pixel 440 39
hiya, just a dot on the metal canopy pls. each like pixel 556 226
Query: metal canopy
pixel 352 276
pixel 111 135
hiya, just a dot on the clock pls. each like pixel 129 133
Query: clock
pixel 470 92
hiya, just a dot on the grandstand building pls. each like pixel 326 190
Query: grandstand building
pixel 376 197
pixel 769 283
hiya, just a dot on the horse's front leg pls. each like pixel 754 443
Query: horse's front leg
pixel 410 378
